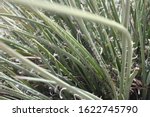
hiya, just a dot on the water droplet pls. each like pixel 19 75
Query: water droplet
pixel 55 55
pixel 17 60
pixel 17 85
pixel 20 72
pixel 32 70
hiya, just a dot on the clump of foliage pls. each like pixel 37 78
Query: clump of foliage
pixel 75 49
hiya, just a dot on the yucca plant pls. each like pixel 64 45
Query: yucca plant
pixel 74 49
